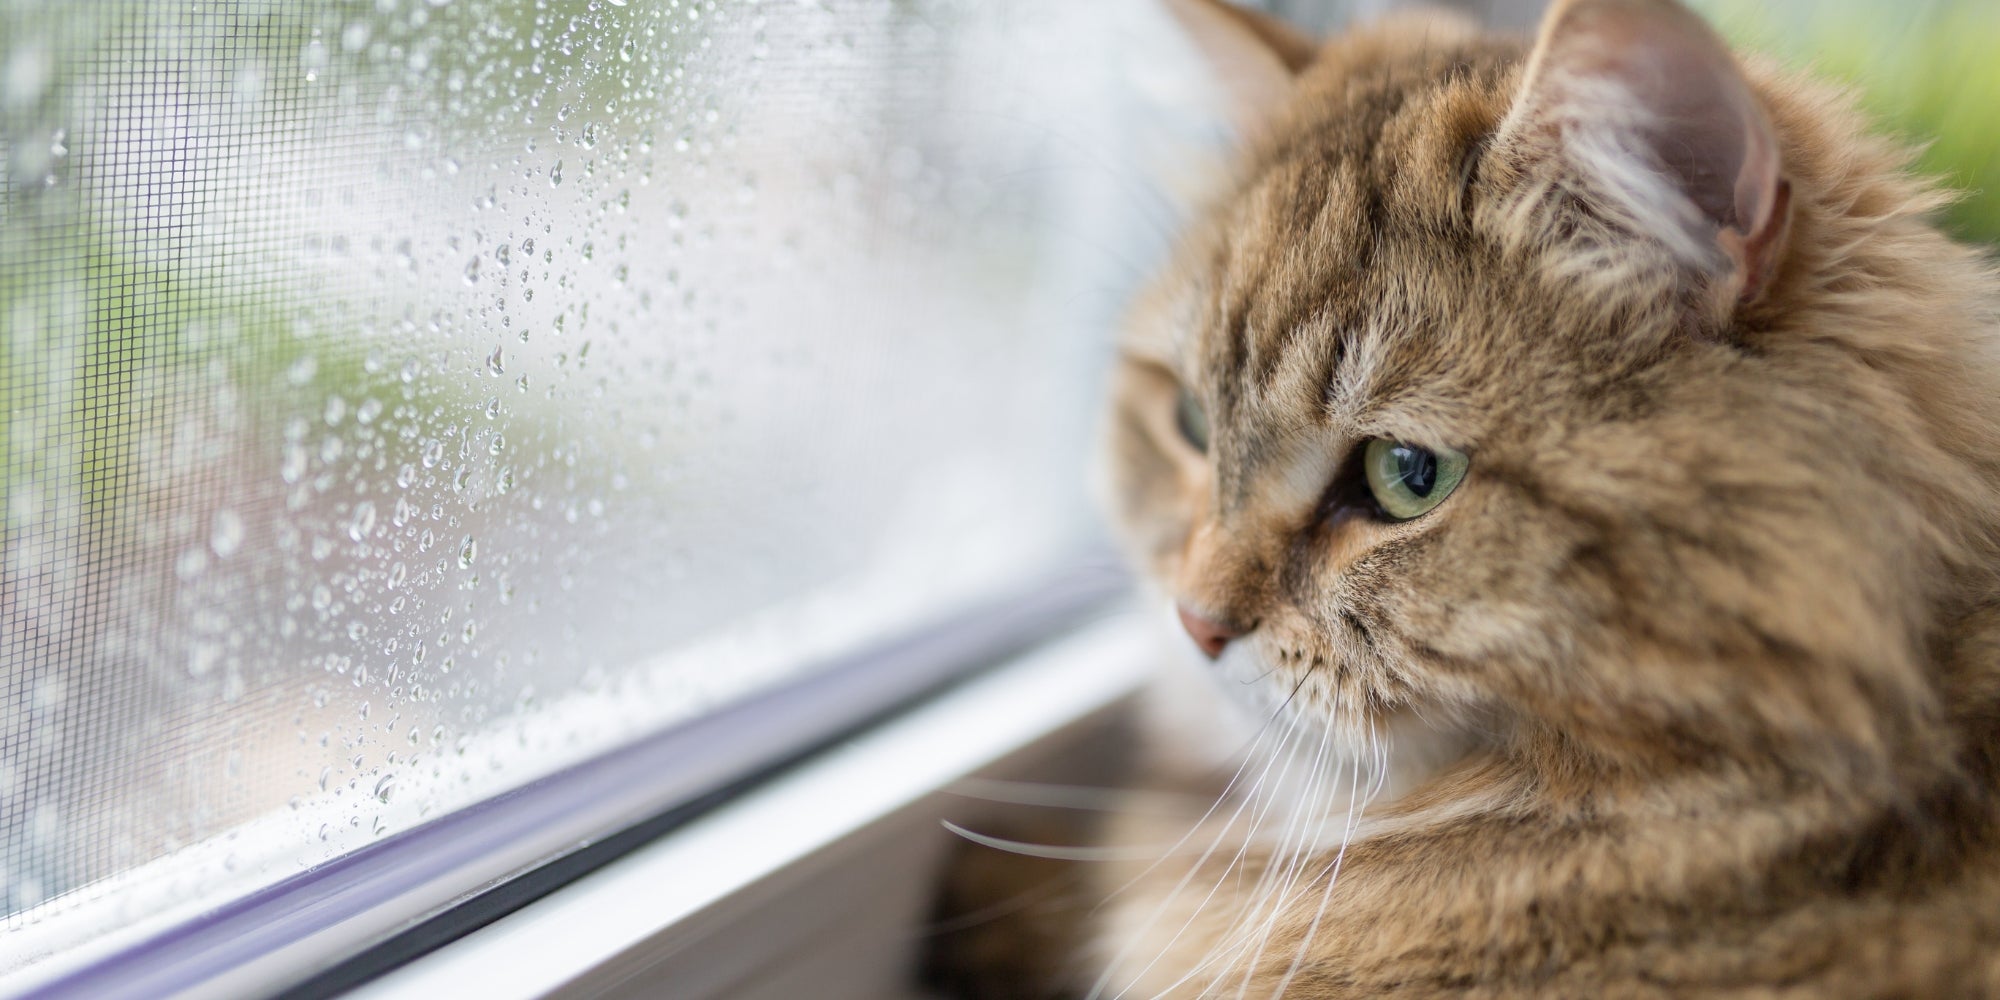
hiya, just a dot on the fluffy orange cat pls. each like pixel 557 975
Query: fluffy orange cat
pixel 1587 451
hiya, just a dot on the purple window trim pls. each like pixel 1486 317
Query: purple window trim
pixel 409 877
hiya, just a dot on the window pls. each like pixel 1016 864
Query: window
pixel 410 401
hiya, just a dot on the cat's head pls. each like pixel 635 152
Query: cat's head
pixel 1590 390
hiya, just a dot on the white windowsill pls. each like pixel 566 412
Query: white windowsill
pixel 813 884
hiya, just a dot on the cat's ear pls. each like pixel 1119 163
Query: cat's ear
pixel 1646 104
pixel 1252 56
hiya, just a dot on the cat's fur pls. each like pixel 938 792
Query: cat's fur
pixel 1710 634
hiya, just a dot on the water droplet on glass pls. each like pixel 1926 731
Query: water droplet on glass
pixel 555 175
pixel 191 564
pixel 433 454
pixel 302 369
pixel 385 788
pixel 248 85
pixel 30 69
pixel 495 363
pixel 314 59
pixel 468 551
pixel 472 271
pixel 225 533
pixel 202 657
pixel 369 409
pixel 363 522
pixel 397 574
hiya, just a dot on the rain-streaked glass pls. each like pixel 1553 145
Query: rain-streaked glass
pixel 401 399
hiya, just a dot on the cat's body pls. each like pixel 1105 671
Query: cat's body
pixel 1709 631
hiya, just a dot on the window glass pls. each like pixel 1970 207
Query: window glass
pixel 400 399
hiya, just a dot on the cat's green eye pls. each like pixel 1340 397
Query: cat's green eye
pixel 1192 420
pixel 1408 481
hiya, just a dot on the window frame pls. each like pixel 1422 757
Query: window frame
pixel 343 922
pixel 832 863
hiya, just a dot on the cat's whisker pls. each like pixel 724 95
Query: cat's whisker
pixel 1234 863
pixel 1077 797
pixel 1247 756
pixel 1354 813
pixel 1276 883
pixel 1052 852
pixel 1371 756
pixel 1279 893
pixel 1133 939
pixel 1325 790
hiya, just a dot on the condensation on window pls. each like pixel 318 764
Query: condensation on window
pixel 405 398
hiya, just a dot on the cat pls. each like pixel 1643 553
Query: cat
pixel 1585 450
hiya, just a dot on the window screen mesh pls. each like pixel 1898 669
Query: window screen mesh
pixel 404 398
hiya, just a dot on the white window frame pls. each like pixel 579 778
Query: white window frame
pixel 741 902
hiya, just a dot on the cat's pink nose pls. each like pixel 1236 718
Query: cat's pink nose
pixel 1208 634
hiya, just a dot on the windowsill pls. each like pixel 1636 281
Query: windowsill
pixel 820 877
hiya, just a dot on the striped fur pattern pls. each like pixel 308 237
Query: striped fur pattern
pixel 1700 665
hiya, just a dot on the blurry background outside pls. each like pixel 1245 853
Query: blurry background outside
pixel 401 399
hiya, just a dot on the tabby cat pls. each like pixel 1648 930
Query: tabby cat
pixel 1586 451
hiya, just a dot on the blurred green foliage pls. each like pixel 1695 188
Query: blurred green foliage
pixel 104 348
pixel 1927 69
pixel 101 325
